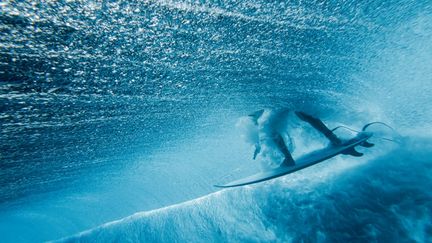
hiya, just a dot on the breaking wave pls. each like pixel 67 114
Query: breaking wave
pixel 384 198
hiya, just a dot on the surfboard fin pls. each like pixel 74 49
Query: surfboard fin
pixel 353 152
pixel 366 144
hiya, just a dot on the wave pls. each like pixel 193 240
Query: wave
pixel 383 198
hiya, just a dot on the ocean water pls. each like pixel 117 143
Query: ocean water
pixel 118 117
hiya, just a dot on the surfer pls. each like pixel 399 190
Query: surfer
pixel 267 130
pixel 270 125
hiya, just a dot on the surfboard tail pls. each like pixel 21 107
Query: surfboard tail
pixel 352 151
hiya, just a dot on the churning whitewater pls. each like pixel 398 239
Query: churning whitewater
pixel 383 199
pixel 118 108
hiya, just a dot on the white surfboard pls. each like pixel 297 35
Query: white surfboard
pixel 302 162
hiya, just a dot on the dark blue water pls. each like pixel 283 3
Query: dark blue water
pixel 109 108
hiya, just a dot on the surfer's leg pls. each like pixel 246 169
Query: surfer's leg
pixel 280 143
pixel 320 126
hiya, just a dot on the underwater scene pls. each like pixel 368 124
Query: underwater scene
pixel 118 118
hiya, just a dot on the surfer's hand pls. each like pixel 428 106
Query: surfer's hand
pixel 257 150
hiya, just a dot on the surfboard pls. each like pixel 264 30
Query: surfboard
pixel 302 162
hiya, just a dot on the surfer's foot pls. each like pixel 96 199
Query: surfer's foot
pixel 288 162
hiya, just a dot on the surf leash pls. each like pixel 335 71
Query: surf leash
pixel 368 125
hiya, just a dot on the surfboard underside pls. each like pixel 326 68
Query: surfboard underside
pixel 301 163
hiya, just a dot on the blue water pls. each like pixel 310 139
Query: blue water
pixel 113 108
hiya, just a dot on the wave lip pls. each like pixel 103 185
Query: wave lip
pixel 385 199
pixel 196 220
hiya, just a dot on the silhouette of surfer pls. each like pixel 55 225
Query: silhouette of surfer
pixel 271 124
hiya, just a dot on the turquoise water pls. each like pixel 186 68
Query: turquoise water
pixel 111 108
